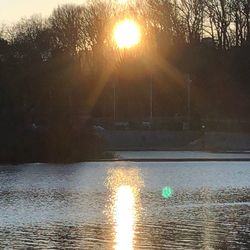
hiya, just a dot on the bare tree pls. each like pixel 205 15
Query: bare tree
pixel 2 30
pixel 192 16
pixel 30 38
pixel 97 24
pixel 219 12
pixel 246 4
pixel 240 21
pixel 66 24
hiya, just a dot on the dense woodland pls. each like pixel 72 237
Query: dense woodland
pixel 57 73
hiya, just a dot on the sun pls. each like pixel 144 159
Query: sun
pixel 127 34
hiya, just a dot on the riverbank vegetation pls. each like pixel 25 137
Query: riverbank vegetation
pixel 57 73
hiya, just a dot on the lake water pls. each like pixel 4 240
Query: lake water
pixel 119 205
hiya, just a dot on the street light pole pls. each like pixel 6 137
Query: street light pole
pixel 151 97
pixel 189 81
pixel 114 102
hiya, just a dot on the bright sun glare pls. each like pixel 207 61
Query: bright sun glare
pixel 124 218
pixel 127 34
pixel 122 1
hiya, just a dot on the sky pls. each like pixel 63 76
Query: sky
pixel 12 10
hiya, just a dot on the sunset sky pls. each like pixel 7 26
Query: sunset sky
pixel 12 10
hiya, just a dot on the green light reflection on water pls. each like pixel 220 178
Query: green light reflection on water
pixel 167 192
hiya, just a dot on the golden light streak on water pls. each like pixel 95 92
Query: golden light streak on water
pixel 124 209
pixel 124 218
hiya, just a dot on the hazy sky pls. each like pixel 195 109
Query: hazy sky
pixel 12 10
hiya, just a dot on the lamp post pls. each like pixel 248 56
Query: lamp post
pixel 151 98
pixel 114 102
pixel 189 82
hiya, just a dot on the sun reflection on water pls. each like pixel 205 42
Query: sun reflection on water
pixel 124 216
pixel 124 207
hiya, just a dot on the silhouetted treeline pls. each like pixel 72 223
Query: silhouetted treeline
pixel 56 73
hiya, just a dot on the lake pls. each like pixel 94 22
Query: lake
pixel 125 205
